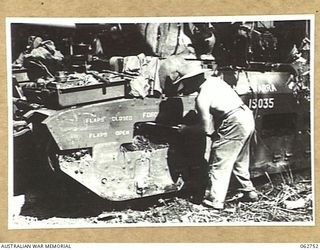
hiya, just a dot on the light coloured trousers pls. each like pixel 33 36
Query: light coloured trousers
pixel 230 153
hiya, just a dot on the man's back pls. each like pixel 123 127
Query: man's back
pixel 218 97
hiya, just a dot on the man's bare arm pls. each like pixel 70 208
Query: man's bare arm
pixel 203 107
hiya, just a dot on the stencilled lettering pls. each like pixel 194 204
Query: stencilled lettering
pixel 122 132
pixel 267 88
pixel 121 118
pixel 95 120
pixel 149 114
pixel 98 135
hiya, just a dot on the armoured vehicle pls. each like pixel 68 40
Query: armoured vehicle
pixel 121 147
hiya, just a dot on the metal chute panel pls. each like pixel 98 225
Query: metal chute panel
pixel 109 169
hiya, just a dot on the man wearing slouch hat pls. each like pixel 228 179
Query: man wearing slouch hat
pixel 224 118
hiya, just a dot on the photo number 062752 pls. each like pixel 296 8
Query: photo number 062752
pixel 160 121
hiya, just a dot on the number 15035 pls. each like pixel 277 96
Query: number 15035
pixel 261 103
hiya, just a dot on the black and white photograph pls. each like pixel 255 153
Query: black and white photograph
pixel 175 121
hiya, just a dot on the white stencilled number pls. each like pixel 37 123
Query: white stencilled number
pixel 271 103
pixel 265 103
pixel 252 103
pixel 261 103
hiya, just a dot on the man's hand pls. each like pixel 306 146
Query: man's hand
pixel 191 129
pixel 182 128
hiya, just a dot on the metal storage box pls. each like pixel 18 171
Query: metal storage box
pixel 57 95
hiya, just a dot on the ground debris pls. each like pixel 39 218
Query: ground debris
pixel 280 201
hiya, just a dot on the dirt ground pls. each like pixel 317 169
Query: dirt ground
pixel 285 197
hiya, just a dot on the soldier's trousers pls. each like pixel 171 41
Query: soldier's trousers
pixel 230 153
